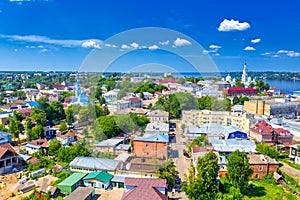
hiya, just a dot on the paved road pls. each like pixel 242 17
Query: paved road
pixel 290 171
pixel 182 163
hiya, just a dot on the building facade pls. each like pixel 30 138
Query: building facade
pixel 225 118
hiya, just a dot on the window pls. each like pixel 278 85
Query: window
pixel 261 168
pixel 256 175
pixel 147 145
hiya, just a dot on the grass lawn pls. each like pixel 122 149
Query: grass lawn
pixel 266 190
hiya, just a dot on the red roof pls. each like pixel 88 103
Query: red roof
pixel 134 99
pixel 196 149
pixel 166 81
pixel 263 127
pixel 241 89
pixel 6 147
pixel 58 86
pixel 144 188
pixel 39 142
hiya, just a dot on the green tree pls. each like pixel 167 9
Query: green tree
pixel 239 170
pixel 56 111
pixel 98 93
pixel 69 115
pixel 3 128
pixel 54 146
pixel 63 126
pixel 15 127
pixel 235 100
pixel 243 99
pixel 168 171
pixel 28 128
pixel 181 80
pixel 37 132
pixel 39 116
pixel 204 186
pixel 265 149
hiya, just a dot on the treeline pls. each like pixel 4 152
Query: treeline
pixel 175 103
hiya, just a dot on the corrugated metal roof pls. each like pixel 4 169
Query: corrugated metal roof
pixel 101 175
pixel 73 179
pixel 95 163
pixel 232 145
pixel 110 142
pixel 154 138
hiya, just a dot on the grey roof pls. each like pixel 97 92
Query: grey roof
pixel 122 157
pixel 110 142
pixel 157 113
pixel 125 147
pixel 157 127
pixel 80 193
pixel 103 164
pixel 232 145
pixel 119 179
pixel 208 129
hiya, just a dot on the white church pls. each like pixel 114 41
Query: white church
pixel 246 80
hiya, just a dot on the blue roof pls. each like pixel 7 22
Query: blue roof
pixel 228 130
pixel 154 138
pixel 32 146
pixel 32 103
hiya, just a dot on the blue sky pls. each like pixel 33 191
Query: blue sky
pixel 60 34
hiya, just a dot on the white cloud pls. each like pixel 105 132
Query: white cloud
pixel 293 54
pixel 216 54
pixel 47 40
pixel 282 51
pixel 134 45
pixel 289 53
pixel 233 25
pixel 111 45
pixel 90 44
pixel 254 41
pixel 164 42
pixel 248 48
pixel 214 46
pixel 205 51
pixel 266 54
pixel 44 50
pixel 181 42
pixel 125 46
pixel 276 56
pixel 153 47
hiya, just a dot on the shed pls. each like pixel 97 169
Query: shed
pixel 71 183
pixel 118 181
pixel 100 179
pixel 82 193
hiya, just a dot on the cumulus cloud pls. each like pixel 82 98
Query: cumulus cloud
pixel 153 47
pixel 248 48
pixel 90 44
pixel 125 46
pixel 289 53
pixel 212 46
pixel 181 42
pixel 44 50
pixel 254 41
pixel 134 45
pixel 233 25
pixel 47 40
pixel 164 42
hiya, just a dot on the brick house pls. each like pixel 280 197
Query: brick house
pixel 154 145
pixel 264 132
pixel 262 165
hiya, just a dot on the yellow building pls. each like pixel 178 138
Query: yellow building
pixel 272 107
pixel 225 118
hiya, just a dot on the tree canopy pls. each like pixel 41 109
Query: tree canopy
pixel 239 170
pixel 204 186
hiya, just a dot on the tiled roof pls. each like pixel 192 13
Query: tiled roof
pixel 6 147
pixel 145 189
pixel 261 159
pixel 39 143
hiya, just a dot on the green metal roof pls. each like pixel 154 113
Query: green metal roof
pixel 101 175
pixel 73 179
